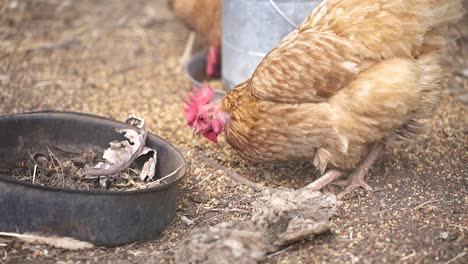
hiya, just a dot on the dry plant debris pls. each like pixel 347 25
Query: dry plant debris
pixel 116 171
pixel 120 155
pixel 59 242
pixel 61 169
pixel 223 244
pixel 287 216
pixel 280 217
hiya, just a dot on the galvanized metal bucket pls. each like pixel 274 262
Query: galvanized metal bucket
pixel 251 28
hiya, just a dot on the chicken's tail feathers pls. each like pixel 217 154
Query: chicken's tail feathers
pixel 441 14
pixel 433 78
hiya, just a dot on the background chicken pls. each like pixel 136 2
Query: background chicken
pixel 203 16
pixel 355 75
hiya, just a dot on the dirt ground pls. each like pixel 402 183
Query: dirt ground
pixel 114 58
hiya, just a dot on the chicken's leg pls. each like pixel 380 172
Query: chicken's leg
pixel 184 59
pixel 357 178
pixel 324 180
pixel 213 62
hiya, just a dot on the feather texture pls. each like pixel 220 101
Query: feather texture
pixel 204 16
pixel 353 73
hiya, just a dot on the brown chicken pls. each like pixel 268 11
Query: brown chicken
pixel 354 76
pixel 203 16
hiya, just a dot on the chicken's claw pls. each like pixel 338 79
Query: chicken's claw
pixel 357 179
pixel 356 182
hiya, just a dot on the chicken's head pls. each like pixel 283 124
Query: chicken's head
pixel 204 117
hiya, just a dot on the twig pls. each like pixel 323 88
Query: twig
pixel 34 174
pixel 92 257
pixel 203 180
pixel 52 240
pixel 90 177
pixel 130 181
pixel 134 171
pixel 158 181
pixel 32 157
pixel 187 50
pixel 232 174
pixel 279 251
pixel 48 83
pixel 455 258
pixel 124 70
pixel 237 210
pixel 127 247
pixel 423 227
pixel 379 189
pixel 408 257
pixel 55 167
pixel 187 220
pixel 424 204
pixel 459 226
pixel 245 198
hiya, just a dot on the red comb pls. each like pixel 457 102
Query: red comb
pixel 196 99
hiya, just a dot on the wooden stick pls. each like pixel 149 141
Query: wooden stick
pixel 424 204
pixel 232 174
pixel 455 258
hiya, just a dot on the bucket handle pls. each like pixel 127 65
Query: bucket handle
pixel 276 7
pixel 240 50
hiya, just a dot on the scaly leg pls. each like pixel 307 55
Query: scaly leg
pixel 324 180
pixel 184 59
pixel 357 178
pixel 213 61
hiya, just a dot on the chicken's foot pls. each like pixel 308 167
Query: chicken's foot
pixel 357 178
pixel 324 180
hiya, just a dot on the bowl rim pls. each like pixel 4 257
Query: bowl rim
pixel 175 178
pixel 200 56
pixel 197 56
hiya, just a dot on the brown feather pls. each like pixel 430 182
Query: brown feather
pixel 204 16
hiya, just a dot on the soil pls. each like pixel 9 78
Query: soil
pixel 113 58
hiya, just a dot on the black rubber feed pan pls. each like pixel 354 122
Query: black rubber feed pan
pixel 196 73
pixel 104 218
